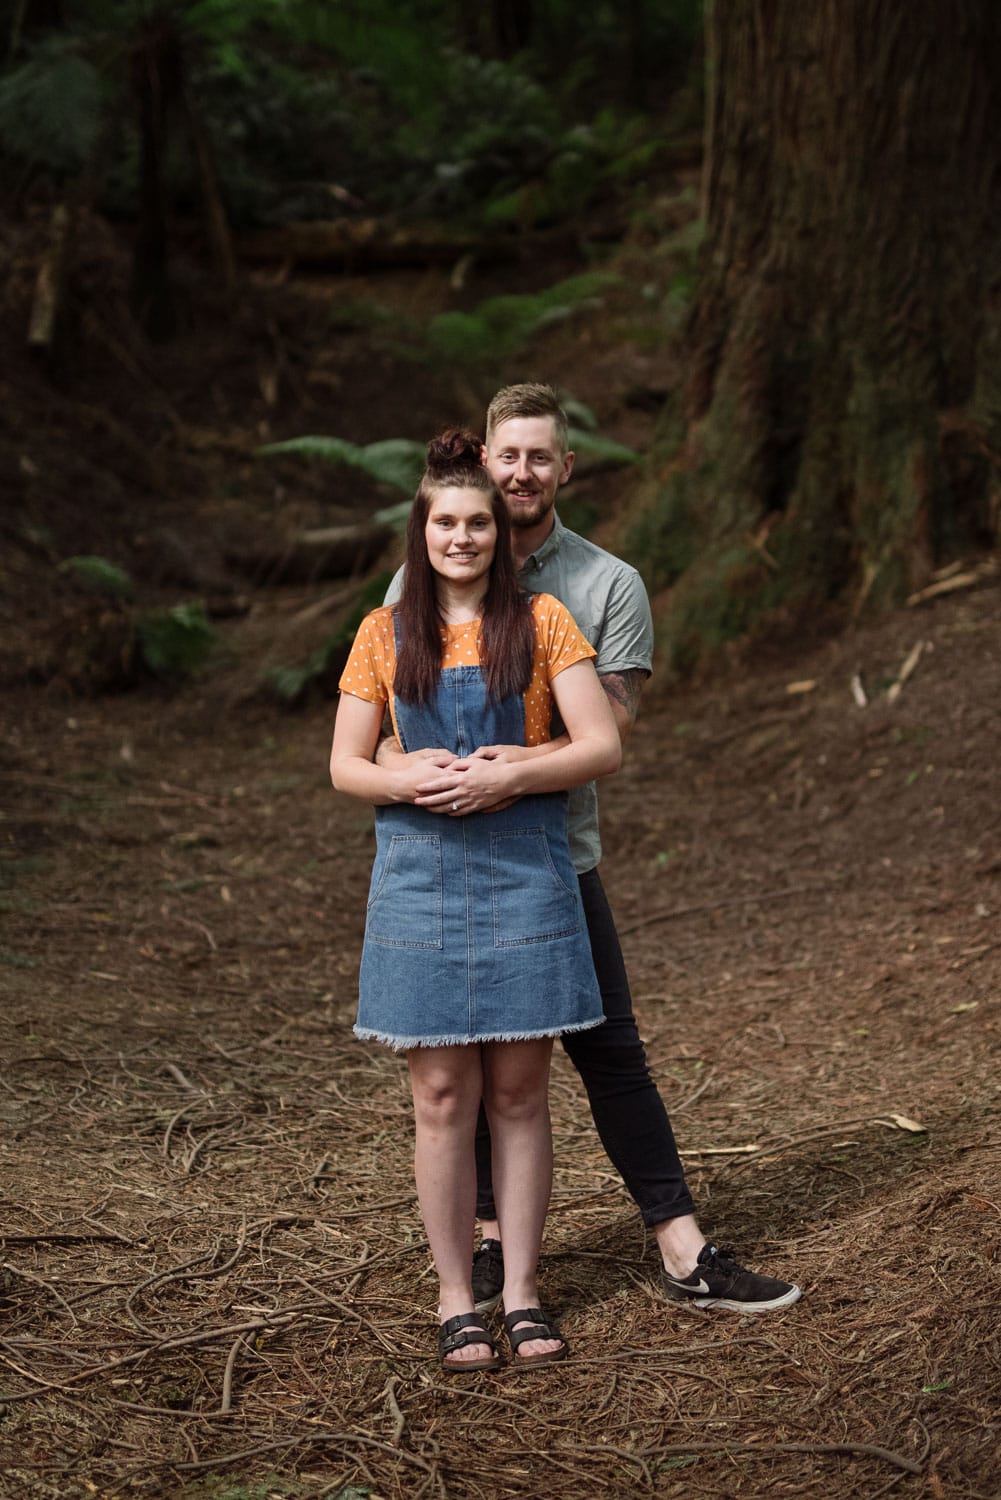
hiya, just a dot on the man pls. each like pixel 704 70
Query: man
pixel 527 453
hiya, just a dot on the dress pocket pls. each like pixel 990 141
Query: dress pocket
pixel 405 906
pixel 532 903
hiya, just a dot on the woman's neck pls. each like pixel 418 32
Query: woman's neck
pixel 458 606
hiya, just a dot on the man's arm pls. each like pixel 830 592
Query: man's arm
pixel 389 755
pixel 623 690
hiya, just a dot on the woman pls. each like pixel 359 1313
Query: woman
pixel 476 952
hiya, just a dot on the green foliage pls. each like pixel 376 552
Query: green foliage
pixel 394 515
pixel 397 462
pixel 410 106
pixel 585 439
pixel 175 642
pixel 502 326
pixel 607 450
pixel 98 576
pixel 50 107
pixel 489 129
pixel 291 683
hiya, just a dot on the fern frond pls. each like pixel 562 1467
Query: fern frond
pixel 50 108
pixel 398 462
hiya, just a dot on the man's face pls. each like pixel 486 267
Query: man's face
pixel 525 462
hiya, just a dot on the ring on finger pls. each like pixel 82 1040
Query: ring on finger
pixel 455 807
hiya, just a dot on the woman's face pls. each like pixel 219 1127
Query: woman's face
pixel 461 535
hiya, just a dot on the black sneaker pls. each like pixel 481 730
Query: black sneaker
pixel 721 1281
pixel 488 1275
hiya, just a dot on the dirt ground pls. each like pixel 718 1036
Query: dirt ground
pixel 214 1278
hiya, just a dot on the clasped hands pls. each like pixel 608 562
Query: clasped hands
pixel 442 783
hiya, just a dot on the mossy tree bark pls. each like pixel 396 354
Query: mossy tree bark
pixel 840 428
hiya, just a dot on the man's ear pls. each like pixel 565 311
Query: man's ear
pixel 483 454
pixel 568 459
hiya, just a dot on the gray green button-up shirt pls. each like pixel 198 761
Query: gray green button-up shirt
pixel 609 603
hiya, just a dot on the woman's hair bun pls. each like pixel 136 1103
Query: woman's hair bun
pixel 453 449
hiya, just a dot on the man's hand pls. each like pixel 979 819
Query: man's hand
pixel 389 755
pixel 510 754
pixel 410 769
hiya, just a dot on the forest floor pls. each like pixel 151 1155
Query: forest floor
pixel 214 1279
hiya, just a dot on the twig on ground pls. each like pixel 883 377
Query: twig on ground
pixel 913 657
pixel 309 1440
pixel 39 1281
pixel 182 1079
pixel 399 1421
pixel 226 1402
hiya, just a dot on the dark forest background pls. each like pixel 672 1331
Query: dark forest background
pixel 255 251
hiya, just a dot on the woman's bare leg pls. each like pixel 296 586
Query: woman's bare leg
pixel 516 1096
pixel 447 1084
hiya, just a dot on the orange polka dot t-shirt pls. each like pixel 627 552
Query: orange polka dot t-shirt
pixel 371 665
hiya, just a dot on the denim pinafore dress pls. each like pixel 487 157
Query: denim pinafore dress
pixel 475 930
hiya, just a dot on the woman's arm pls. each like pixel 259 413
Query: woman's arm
pixel 352 769
pixel 592 749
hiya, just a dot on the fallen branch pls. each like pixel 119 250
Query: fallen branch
pixel 176 1341
pixel 39 1281
pixel 910 662
pixel 763 1450
pixel 286 1445
pixel 226 1401
pixel 399 1421
pixel 950 585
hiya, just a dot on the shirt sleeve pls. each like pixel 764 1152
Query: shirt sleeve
pixel 364 674
pixel 563 643
pixel 626 640
pixel 395 587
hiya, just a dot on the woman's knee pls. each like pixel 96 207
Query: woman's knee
pixel 512 1101
pixel 516 1083
pixel 447 1094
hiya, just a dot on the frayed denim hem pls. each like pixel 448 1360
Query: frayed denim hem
pixel 408 1043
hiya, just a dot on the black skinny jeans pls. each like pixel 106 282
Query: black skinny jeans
pixel 628 1111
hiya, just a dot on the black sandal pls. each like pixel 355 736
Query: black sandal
pixel 538 1328
pixel 456 1333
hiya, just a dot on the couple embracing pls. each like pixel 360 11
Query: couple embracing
pixel 510 659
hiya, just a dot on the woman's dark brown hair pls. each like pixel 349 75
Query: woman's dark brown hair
pixel 507 635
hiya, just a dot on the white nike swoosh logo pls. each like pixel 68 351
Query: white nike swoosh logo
pixel 687 1287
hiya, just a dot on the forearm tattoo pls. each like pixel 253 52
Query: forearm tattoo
pixel 624 688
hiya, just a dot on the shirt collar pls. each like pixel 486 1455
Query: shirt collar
pixel 549 547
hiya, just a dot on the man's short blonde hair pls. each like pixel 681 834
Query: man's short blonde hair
pixel 529 400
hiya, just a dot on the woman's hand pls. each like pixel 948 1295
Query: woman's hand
pixel 481 783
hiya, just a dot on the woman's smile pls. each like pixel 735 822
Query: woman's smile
pixel 461 535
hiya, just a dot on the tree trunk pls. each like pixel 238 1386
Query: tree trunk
pixel 157 72
pixel 840 428
pixel 217 232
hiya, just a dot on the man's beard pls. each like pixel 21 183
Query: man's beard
pixel 526 515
